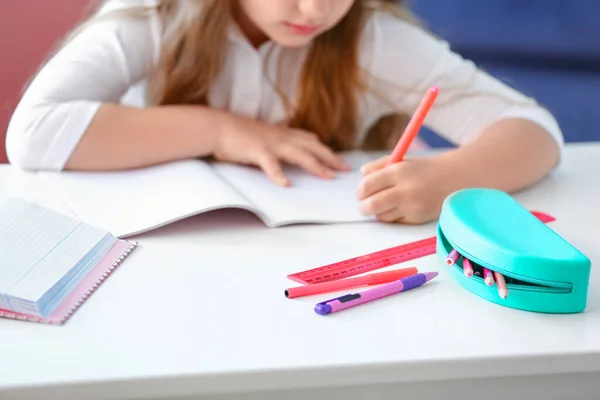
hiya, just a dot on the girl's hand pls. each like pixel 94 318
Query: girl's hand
pixel 410 191
pixel 247 141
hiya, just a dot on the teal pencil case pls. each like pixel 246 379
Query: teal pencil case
pixel 543 272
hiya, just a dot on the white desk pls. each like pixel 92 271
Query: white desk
pixel 198 312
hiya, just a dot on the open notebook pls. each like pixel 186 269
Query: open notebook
pixel 134 201
pixel 51 263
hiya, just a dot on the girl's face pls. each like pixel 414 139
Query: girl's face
pixel 289 23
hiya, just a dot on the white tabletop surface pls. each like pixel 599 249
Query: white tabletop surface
pixel 198 310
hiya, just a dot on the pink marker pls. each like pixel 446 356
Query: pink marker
pixel 452 257
pixel 488 277
pixel 467 267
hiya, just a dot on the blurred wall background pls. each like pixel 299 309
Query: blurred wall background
pixel 549 49
pixel 29 29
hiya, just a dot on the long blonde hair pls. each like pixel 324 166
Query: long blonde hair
pixel 330 82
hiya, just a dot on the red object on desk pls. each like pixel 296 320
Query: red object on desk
pixel 365 280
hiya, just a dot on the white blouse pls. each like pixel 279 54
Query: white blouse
pixel 109 61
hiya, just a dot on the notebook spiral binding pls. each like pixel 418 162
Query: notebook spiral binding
pixel 97 284
pixel 81 301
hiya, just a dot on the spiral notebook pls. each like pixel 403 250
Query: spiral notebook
pixel 50 263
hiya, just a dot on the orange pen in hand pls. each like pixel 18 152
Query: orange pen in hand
pixel 413 126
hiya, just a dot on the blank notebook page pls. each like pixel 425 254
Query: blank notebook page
pixel 38 247
pixel 309 198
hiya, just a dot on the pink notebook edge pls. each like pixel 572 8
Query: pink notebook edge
pixel 84 290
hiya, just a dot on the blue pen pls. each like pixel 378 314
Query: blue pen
pixel 354 299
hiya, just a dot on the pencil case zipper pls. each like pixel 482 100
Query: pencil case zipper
pixel 536 285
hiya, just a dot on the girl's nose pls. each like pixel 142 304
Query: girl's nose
pixel 314 10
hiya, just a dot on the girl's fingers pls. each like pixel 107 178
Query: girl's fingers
pixel 304 159
pixel 325 154
pixel 393 215
pixel 303 149
pixel 401 215
pixel 374 165
pixel 272 168
pixel 383 204
pixel 375 182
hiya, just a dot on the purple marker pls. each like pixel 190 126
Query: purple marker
pixel 354 299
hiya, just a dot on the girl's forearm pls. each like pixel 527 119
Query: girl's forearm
pixel 510 156
pixel 123 137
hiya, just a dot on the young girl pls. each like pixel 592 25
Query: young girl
pixel 267 82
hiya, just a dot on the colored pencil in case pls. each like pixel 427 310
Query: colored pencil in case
pixel 488 277
pixel 502 289
pixel 452 258
pixel 467 267
pixel 365 280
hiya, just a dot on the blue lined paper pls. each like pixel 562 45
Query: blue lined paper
pixel 43 255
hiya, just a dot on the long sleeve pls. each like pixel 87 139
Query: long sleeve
pixel 405 61
pixel 98 65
